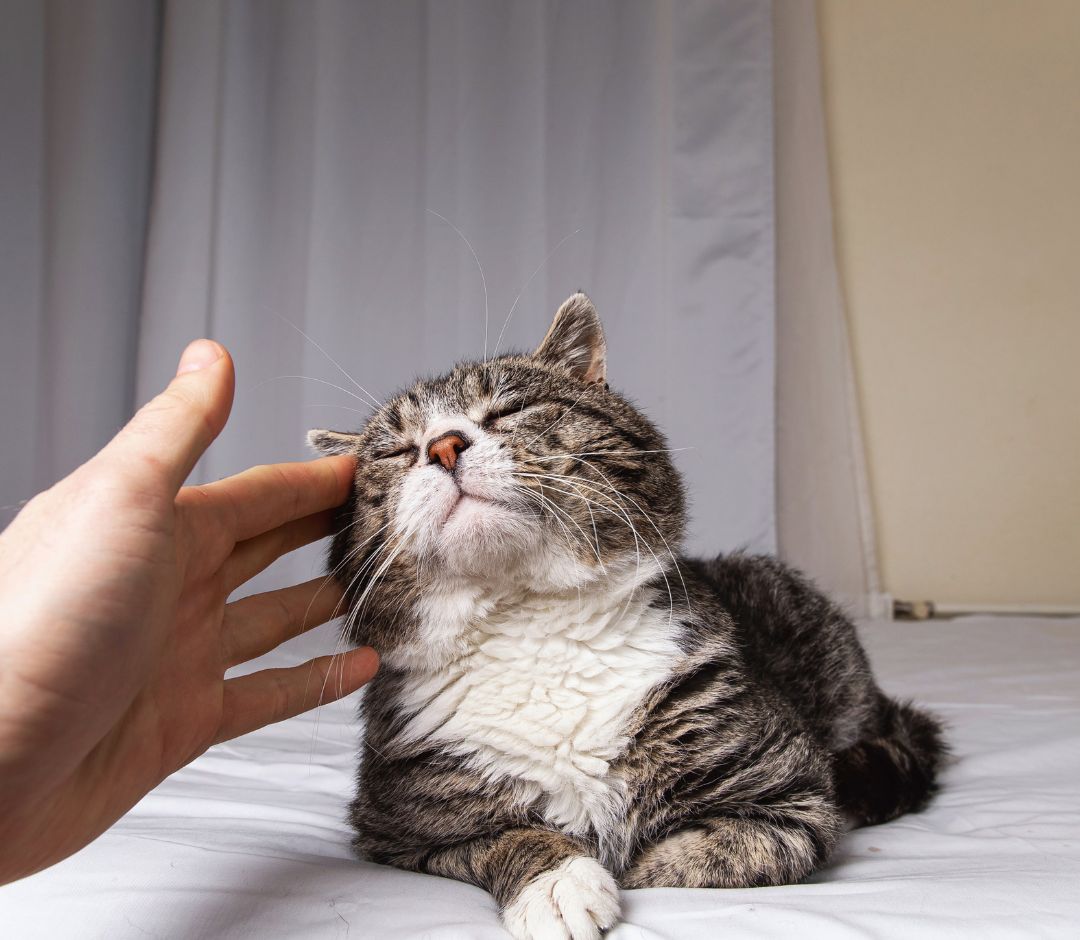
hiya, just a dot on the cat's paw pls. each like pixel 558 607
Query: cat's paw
pixel 576 901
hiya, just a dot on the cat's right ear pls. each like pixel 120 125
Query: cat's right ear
pixel 331 443
pixel 576 340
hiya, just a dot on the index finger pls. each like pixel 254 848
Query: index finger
pixel 263 498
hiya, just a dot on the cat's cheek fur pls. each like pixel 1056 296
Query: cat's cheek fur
pixel 579 900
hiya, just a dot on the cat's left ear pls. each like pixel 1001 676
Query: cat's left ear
pixel 576 340
pixel 331 443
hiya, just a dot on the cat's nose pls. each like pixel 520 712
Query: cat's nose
pixel 445 449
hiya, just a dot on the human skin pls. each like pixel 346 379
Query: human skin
pixel 115 631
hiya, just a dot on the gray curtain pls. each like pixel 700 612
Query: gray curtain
pixel 284 176
pixel 77 110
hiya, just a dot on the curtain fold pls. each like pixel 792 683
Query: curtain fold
pixel 77 107
pixel 308 182
pixel 326 171
pixel 826 524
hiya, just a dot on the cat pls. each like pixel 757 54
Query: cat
pixel 566 705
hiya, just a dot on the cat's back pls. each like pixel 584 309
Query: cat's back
pixel 795 641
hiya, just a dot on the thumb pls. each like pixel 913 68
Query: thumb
pixel 172 431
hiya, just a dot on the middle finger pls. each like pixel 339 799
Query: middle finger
pixel 251 556
pixel 262 622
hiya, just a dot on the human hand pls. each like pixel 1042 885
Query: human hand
pixel 115 633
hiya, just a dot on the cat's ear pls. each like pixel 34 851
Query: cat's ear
pixel 576 340
pixel 332 442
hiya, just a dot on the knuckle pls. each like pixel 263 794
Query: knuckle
pixel 176 404
pixel 284 699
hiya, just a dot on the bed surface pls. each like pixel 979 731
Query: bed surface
pixel 249 841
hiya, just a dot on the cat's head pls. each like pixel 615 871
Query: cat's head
pixel 523 472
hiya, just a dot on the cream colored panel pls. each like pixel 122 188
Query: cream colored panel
pixel 954 133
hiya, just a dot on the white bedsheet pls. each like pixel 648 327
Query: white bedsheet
pixel 250 841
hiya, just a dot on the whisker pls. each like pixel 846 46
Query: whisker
pixel 649 519
pixel 346 627
pixel 623 516
pixel 359 411
pixel 309 378
pixel 622 496
pixel 377 576
pixel 341 564
pixel 546 503
pixel 513 306
pixel 596 549
pixel 340 368
pixel 615 453
pixel 480 268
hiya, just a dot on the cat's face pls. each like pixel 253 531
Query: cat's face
pixel 525 471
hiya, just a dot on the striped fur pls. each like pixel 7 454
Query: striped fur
pixel 567 704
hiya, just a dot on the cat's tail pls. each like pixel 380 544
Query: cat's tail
pixel 895 770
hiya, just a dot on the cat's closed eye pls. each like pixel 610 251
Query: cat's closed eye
pixel 410 451
pixel 507 411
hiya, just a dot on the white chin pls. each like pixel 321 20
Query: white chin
pixel 481 533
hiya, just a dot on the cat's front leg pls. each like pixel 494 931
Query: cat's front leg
pixel 547 886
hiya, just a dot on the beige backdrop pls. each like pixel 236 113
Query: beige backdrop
pixel 954 138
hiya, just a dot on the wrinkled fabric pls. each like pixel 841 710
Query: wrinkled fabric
pixel 250 840
pixel 314 161
pixel 269 170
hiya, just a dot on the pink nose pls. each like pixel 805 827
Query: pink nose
pixel 445 449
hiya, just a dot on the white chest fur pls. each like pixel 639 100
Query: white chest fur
pixel 542 694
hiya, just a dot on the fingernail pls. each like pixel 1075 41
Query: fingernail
pixel 199 354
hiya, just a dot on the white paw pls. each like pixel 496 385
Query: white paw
pixel 575 901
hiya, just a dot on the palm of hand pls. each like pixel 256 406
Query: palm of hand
pixel 117 651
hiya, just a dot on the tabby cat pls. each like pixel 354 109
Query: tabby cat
pixel 568 706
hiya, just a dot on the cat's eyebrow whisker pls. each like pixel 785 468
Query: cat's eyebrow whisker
pixel 614 453
pixel 311 378
pixel 340 367
pixel 513 434
pixel 479 267
pixel 517 299
pixel 359 411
